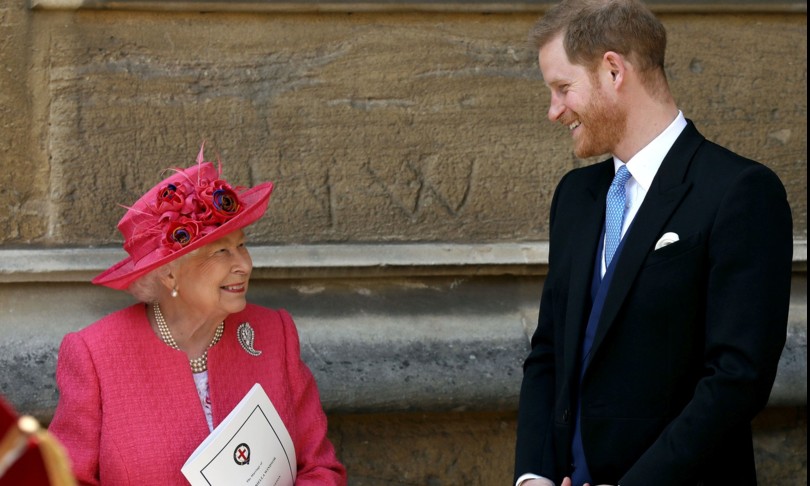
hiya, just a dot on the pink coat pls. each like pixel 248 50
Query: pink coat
pixel 129 413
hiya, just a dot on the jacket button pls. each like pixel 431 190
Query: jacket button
pixel 565 416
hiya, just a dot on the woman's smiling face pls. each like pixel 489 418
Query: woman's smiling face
pixel 212 281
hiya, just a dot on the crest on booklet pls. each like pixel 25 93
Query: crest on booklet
pixel 241 455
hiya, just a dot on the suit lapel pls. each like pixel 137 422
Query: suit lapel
pixel 665 195
pixel 591 209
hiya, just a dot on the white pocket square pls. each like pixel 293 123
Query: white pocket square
pixel 666 239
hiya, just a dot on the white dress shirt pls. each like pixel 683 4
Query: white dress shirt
pixel 642 167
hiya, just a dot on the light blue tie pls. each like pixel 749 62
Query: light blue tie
pixel 614 217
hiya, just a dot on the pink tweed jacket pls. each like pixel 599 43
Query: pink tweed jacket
pixel 129 413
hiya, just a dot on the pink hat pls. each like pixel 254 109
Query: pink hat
pixel 185 211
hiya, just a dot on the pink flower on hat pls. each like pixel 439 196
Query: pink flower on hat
pixel 220 202
pixel 226 202
pixel 193 209
pixel 181 232
pixel 169 198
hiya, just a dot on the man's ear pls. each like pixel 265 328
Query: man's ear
pixel 615 65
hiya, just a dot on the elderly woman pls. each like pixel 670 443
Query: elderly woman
pixel 141 388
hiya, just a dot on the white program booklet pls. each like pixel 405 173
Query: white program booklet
pixel 250 447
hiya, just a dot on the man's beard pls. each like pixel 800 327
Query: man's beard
pixel 604 127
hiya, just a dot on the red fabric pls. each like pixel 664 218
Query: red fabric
pixel 28 469
pixel 129 413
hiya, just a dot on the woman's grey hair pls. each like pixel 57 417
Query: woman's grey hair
pixel 149 288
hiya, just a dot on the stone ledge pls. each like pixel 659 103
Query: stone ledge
pixel 297 261
pixel 338 260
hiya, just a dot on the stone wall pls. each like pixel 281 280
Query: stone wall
pixel 375 127
pixel 414 168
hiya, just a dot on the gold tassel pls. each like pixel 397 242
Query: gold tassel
pixel 11 448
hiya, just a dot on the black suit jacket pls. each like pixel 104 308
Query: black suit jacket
pixel 690 335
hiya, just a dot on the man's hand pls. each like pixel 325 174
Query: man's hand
pixel 567 482
pixel 539 482
pixel 546 482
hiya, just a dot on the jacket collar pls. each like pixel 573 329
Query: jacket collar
pixel 668 189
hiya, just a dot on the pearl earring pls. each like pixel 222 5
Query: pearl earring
pixel 174 292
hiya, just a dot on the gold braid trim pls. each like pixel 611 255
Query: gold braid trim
pixel 11 447
pixel 53 455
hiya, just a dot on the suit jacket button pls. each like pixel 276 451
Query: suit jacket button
pixel 565 416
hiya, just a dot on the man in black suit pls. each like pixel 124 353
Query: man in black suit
pixel 664 311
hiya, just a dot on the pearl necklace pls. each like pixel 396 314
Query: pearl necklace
pixel 198 365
